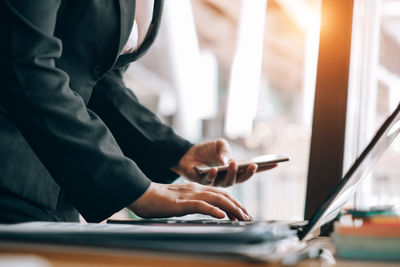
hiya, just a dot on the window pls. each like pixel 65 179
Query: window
pixel 374 92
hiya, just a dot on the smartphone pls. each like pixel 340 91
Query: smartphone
pixel 263 160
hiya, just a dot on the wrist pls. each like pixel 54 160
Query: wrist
pixel 138 205
pixel 179 168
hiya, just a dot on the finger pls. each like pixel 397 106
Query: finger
pixel 225 204
pixel 225 194
pixel 266 167
pixel 199 206
pixel 247 173
pixel 232 218
pixel 223 150
pixel 230 175
pixel 209 178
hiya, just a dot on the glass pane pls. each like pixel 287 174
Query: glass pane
pixel 374 94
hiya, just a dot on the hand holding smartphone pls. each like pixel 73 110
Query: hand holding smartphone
pixel 261 161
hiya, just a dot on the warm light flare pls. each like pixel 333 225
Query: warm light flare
pixel 304 15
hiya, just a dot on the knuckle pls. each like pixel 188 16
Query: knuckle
pixel 193 187
pixel 218 197
pixel 222 141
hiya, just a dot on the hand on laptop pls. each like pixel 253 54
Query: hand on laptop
pixel 211 153
pixel 166 200
pixel 163 200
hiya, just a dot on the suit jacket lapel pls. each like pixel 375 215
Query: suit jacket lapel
pixel 150 36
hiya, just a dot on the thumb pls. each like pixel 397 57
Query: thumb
pixel 223 151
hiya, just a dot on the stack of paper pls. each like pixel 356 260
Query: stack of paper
pixel 376 237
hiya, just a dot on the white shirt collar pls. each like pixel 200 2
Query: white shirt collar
pixel 141 24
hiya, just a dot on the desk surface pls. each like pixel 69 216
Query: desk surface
pixel 63 256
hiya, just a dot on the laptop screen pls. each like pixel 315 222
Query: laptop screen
pixel 350 183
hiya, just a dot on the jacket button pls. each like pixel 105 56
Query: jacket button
pixel 96 71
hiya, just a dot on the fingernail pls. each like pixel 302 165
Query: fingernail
pixel 224 159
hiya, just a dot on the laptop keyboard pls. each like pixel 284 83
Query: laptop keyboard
pixel 180 221
pixel 292 224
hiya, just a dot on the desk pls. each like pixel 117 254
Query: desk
pixel 66 256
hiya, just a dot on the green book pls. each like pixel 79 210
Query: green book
pixel 371 248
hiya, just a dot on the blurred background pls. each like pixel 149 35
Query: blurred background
pixel 245 70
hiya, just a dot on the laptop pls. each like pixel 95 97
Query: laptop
pixel 335 201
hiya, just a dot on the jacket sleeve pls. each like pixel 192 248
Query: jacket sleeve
pixel 142 137
pixel 71 141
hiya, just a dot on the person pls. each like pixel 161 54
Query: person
pixel 74 139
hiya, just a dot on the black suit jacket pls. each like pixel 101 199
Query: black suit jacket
pixel 68 125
